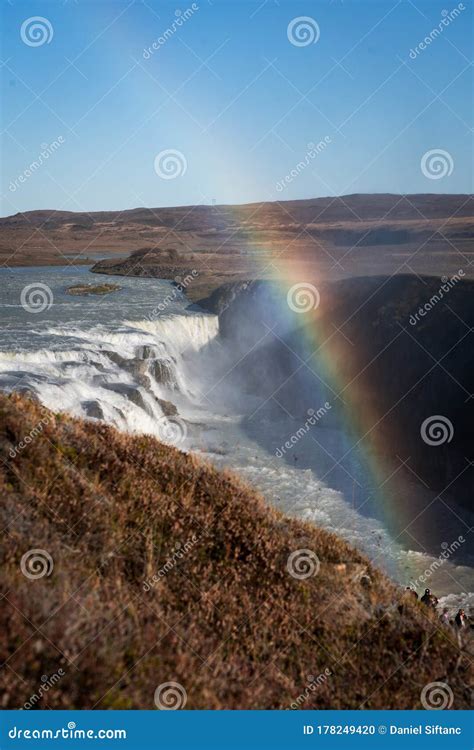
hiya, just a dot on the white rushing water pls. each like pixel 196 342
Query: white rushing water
pixel 92 356
pixel 124 357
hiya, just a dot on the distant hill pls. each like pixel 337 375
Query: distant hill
pixel 340 236
pixel 358 207
pixel 152 567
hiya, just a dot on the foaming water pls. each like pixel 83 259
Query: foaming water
pixel 182 332
pixel 115 357
pixel 298 492
pixel 131 356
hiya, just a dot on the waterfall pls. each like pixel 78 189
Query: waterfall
pixel 129 375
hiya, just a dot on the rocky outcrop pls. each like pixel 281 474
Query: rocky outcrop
pixel 224 296
pixel 168 408
pixel 247 309
pixel 132 393
pixel 142 368
pixel 92 409
pixel 133 266
pixel 86 289
pixel 162 371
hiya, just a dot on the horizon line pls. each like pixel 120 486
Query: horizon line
pixel 230 205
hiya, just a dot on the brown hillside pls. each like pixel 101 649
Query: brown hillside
pixel 226 620
pixel 329 238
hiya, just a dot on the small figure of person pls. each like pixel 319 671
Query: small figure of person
pixel 426 598
pixel 411 591
pixel 460 619
pixel 444 616
pixel 429 599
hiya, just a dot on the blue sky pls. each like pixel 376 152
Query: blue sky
pixel 229 91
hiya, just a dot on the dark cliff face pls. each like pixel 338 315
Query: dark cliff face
pixel 413 340
pixel 400 348
pixel 246 309
pixel 226 295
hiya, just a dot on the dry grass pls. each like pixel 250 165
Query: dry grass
pixel 227 621
pixel 337 237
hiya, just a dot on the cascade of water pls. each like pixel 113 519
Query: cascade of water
pixel 124 375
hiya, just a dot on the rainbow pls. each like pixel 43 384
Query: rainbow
pixel 382 487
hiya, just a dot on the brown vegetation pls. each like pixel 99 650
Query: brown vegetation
pixel 329 238
pixel 227 620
